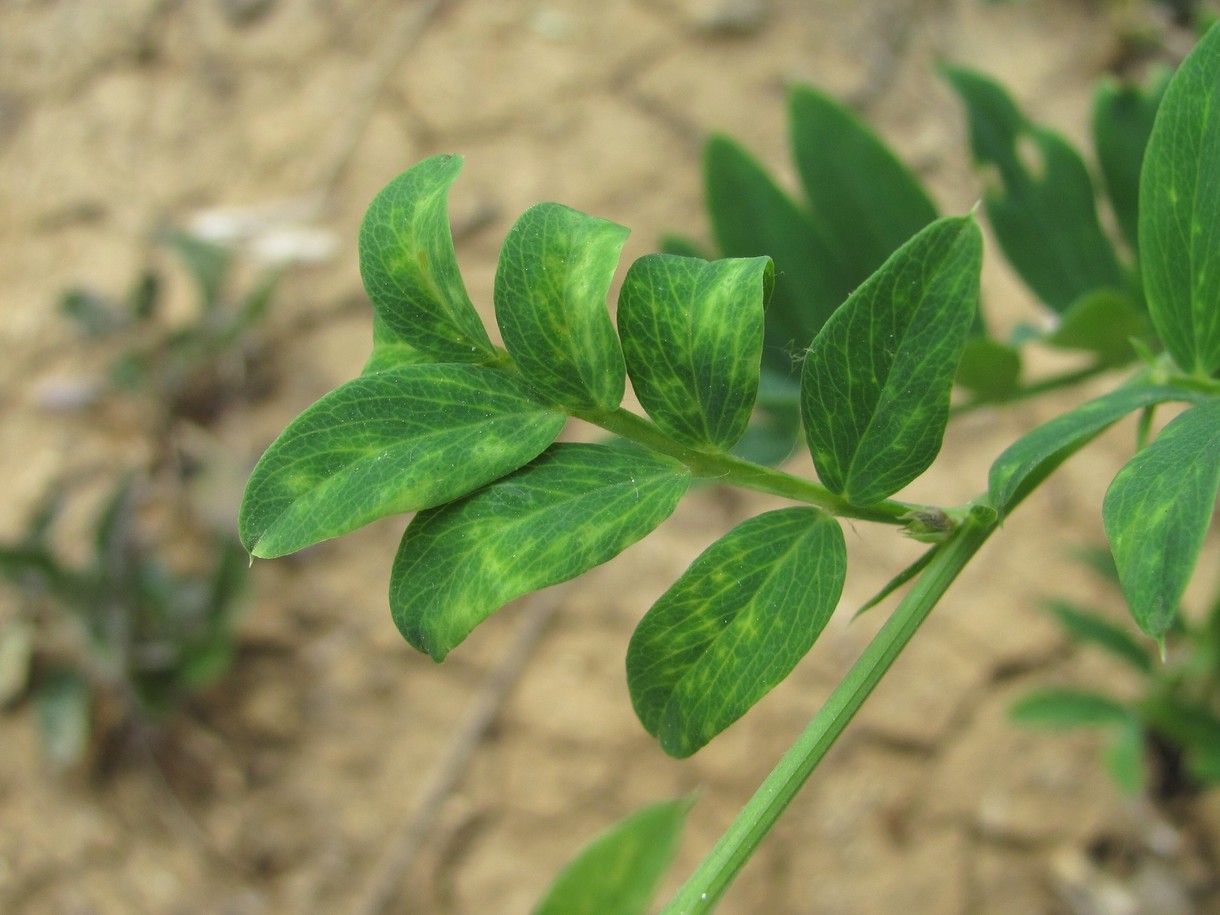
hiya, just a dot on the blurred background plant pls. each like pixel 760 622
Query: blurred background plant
pixel 113 628
pixel 1164 735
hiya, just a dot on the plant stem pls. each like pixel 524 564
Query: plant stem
pixel 735 471
pixel 708 883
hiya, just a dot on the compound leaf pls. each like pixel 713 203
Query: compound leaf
pixel 734 625
pixel 390 442
pixel 1044 213
pixel 1156 514
pixel 619 871
pixel 1179 229
pixel 1034 456
pixel 692 334
pixel 390 350
pixel 867 200
pixel 877 380
pixel 410 269
pixel 551 283
pixel 573 508
pixel 752 217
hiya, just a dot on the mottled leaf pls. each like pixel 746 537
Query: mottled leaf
pixel 877 380
pixel 573 508
pixel 1180 212
pixel 1034 456
pixel 619 871
pixel 692 333
pixel 395 441
pixel 390 350
pixel 410 269
pixel 1157 511
pixel 734 625
pixel 1043 208
pixel 551 284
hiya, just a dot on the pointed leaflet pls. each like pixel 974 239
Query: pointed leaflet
pixel 410 270
pixel 619 871
pixel 692 334
pixel 390 442
pixel 864 198
pixel 751 217
pixel 734 625
pixel 1033 457
pixel 1044 217
pixel 551 284
pixel 1180 212
pixel 1157 511
pixel 876 382
pixel 1122 122
pixel 573 508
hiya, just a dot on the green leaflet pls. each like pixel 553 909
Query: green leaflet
pixel 1179 228
pixel 864 197
pixel 573 508
pixel 1034 456
pixel 1103 322
pixel 551 283
pixel 1122 122
pixel 390 350
pixel 410 270
pixel 1157 511
pixel 619 871
pixel 1087 626
pixel 395 441
pixel 692 333
pixel 734 625
pixel 1044 216
pixel 876 382
pixel 989 369
pixel 752 217
pixel 1069 708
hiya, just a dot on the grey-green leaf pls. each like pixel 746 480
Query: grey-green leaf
pixel 692 333
pixel 619 871
pixel 1157 511
pixel 1034 456
pixel 734 625
pixel 410 269
pixel 555 271
pixel 1044 212
pixel 573 508
pixel 877 380
pixel 1180 212
pixel 390 442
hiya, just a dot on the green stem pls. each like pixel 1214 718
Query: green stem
pixel 708 883
pixel 730 470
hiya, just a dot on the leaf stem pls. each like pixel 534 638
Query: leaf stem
pixel 708 883
pixel 735 471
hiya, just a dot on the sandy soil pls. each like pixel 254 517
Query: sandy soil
pixel 327 774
